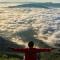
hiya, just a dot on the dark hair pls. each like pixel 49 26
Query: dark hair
pixel 31 44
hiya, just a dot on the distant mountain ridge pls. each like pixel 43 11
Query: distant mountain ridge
pixel 37 5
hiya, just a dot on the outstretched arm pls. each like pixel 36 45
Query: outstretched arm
pixel 44 50
pixel 18 49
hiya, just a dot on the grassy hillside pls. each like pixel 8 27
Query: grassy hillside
pixel 44 56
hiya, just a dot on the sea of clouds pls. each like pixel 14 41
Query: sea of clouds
pixel 45 23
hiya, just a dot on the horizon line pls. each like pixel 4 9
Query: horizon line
pixel 29 2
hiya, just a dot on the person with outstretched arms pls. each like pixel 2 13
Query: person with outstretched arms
pixel 31 52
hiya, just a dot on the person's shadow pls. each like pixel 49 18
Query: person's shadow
pixel 28 35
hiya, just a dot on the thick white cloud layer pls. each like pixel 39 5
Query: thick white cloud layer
pixel 44 22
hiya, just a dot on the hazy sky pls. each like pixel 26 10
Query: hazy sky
pixel 29 0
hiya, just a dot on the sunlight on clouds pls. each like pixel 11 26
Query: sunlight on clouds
pixel 13 0
pixel 29 0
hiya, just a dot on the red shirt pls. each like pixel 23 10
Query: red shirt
pixel 31 53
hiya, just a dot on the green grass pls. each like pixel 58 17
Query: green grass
pixel 1 58
pixel 44 56
pixel 9 58
pixel 50 56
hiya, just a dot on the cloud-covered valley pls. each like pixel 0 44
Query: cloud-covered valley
pixel 25 24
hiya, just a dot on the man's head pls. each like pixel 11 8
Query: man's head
pixel 31 44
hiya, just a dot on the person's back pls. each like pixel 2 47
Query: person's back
pixel 31 53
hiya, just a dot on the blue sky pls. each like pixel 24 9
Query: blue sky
pixel 57 1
